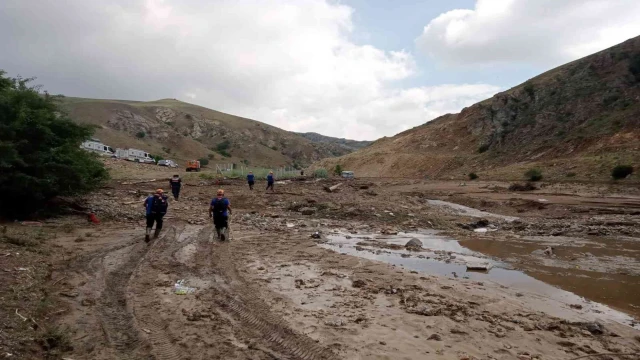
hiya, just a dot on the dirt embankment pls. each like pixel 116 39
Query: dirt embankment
pixel 273 292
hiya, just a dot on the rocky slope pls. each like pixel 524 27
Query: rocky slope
pixel 179 131
pixel 577 121
pixel 337 146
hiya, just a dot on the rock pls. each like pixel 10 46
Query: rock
pixel 458 331
pixel 335 323
pixel 299 283
pixel 88 302
pixel 413 244
pixel 315 235
pixel 383 343
pixel 576 306
pixel 70 294
pixel 194 316
pixel 307 210
pixel 435 337
pixel 359 283
pixel 595 328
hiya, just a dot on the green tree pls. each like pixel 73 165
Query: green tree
pixel 141 134
pixel 338 169
pixel 621 171
pixel 40 154
pixel 204 161
pixel 533 175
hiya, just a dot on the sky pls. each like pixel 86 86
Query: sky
pixel 359 69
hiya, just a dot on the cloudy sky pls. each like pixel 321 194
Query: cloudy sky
pixel 360 69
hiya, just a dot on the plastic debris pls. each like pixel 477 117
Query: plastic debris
pixel 181 288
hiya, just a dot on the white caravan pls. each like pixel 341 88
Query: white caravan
pixel 135 155
pixel 95 145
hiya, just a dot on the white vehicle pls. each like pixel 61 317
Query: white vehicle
pixel 347 174
pixel 135 155
pixel 95 145
pixel 168 163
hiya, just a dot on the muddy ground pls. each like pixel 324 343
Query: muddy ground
pixel 278 290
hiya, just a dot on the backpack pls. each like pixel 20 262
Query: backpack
pixel 159 205
pixel 220 206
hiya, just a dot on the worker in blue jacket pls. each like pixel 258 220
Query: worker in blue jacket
pixel 251 180
pixel 270 181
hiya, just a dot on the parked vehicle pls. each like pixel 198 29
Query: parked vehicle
pixel 135 155
pixel 193 165
pixel 347 174
pixel 167 163
pixel 94 145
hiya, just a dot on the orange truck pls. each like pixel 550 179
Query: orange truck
pixel 193 165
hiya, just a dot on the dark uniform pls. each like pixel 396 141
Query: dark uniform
pixel 176 185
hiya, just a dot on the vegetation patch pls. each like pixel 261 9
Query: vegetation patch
pixel 533 174
pixel 473 176
pixel 621 171
pixel 141 134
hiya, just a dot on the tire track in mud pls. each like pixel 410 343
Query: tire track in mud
pixel 240 300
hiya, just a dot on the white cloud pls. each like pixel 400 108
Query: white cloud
pixel 290 63
pixel 541 32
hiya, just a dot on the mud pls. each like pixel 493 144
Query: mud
pixel 276 292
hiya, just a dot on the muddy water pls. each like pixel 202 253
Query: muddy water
pixel 447 257
pixel 602 270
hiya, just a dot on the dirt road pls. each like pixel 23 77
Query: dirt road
pixel 277 292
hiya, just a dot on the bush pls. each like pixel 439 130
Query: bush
pixel 533 175
pixel 224 153
pixel 40 154
pixel 571 175
pixel 522 187
pixel 483 148
pixel 321 173
pixel 621 171
pixel 204 161
pixel 223 145
pixel 530 90
pixel 634 66
pixel 140 134
pixel 157 158
pixel 473 176
pixel 338 170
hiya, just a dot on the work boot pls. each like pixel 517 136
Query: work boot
pixel 156 233
pixel 218 232
pixel 147 235
pixel 223 236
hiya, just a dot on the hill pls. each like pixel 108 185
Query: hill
pixel 578 121
pixel 177 130
pixel 338 146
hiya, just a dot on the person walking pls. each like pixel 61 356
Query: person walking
pixel 156 206
pixel 251 180
pixel 270 181
pixel 219 210
pixel 176 185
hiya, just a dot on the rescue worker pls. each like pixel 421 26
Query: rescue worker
pixel 220 209
pixel 156 206
pixel 270 181
pixel 251 180
pixel 176 185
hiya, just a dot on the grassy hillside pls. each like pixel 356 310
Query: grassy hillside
pixel 338 146
pixel 574 122
pixel 179 131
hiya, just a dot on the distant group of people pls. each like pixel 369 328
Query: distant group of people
pixel 251 180
pixel 157 204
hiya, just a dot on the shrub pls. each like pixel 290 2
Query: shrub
pixel 40 154
pixel 621 171
pixel 483 148
pixel 224 153
pixel 530 90
pixel 473 176
pixel 571 174
pixel 338 169
pixel 223 145
pixel 140 134
pixel 157 158
pixel 634 66
pixel 188 116
pixel 321 173
pixel 522 187
pixel 533 175
pixel 204 161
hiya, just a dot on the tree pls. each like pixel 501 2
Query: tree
pixel 533 175
pixel 40 154
pixel 621 171
pixel 204 161
pixel 141 134
pixel 338 169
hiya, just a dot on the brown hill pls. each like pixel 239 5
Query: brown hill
pixel 179 131
pixel 578 120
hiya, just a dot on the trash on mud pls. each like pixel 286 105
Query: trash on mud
pixel 181 288
pixel 479 266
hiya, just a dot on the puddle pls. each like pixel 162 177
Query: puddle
pixel 447 257
pixel 467 211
